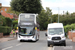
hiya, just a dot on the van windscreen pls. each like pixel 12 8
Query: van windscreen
pixel 53 31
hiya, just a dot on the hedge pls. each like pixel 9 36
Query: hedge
pixel 5 30
pixel 69 27
pixel 15 23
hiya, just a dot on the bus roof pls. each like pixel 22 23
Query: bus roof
pixel 28 13
pixel 55 25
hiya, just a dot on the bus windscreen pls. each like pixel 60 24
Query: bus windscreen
pixel 26 31
pixel 27 17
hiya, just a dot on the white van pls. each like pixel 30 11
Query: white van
pixel 55 34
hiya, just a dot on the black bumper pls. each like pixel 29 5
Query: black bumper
pixel 60 42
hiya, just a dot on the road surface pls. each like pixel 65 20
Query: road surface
pixel 69 46
pixel 39 45
pixel 16 45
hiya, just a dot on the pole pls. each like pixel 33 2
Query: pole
pixel 58 14
pixel 51 19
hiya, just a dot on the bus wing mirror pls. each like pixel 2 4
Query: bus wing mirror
pixel 45 34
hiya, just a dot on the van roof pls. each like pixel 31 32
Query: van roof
pixel 55 25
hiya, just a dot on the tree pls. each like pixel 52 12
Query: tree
pixel 12 11
pixel 44 18
pixel 2 21
pixel 68 18
pixel 26 6
pixel 55 18
pixel 67 13
pixel 0 9
pixel 8 22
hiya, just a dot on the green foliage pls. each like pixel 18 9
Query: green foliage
pixel 0 8
pixel 67 20
pixel 69 27
pixel 44 18
pixel 5 21
pixel 15 27
pixel 2 21
pixel 8 22
pixel 15 23
pixel 67 13
pixel 5 30
pixel 55 18
pixel 26 6
pixel 12 11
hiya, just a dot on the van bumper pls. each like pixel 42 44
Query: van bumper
pixel 55 42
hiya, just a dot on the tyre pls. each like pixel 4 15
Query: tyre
pixel 20 40
pixel 48 45
pixel 64 44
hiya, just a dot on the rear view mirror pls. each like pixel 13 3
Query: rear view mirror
pixel 65 34
pixel 45 34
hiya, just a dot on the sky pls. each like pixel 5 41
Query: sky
pixel 57 6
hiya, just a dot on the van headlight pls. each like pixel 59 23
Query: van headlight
pixel 49 37
pixel 63 36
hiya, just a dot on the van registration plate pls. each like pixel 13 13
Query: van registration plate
pixel 56 41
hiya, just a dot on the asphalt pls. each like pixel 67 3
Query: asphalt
pixel 39 45
pixel 7 38
pixel 26 45
pixel 69 46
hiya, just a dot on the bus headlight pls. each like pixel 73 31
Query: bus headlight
pixel 33 37
pixel 19 36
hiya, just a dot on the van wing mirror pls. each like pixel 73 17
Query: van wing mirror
pixel 45 34
pixel 65 34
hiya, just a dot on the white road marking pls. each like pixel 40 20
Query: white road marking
pixel 50 48
pixel 68 47
pixel 53 47
pixel 18 44
pixel 7 48
pixel 63 47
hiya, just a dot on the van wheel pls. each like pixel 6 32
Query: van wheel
pixel 48 45
pixel 51 45
pixel 64 44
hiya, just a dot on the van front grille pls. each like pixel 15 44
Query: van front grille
pixel 56 38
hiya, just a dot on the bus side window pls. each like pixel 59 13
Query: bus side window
pixel 25 30
pixel 33 30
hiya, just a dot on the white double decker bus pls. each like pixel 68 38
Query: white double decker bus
pixel 28 27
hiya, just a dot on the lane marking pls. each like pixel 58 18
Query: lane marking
pixel 63 47
pixel 7 48
pixel 53 47
pixel 50 48
pixel 68 47
pixel 18 44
